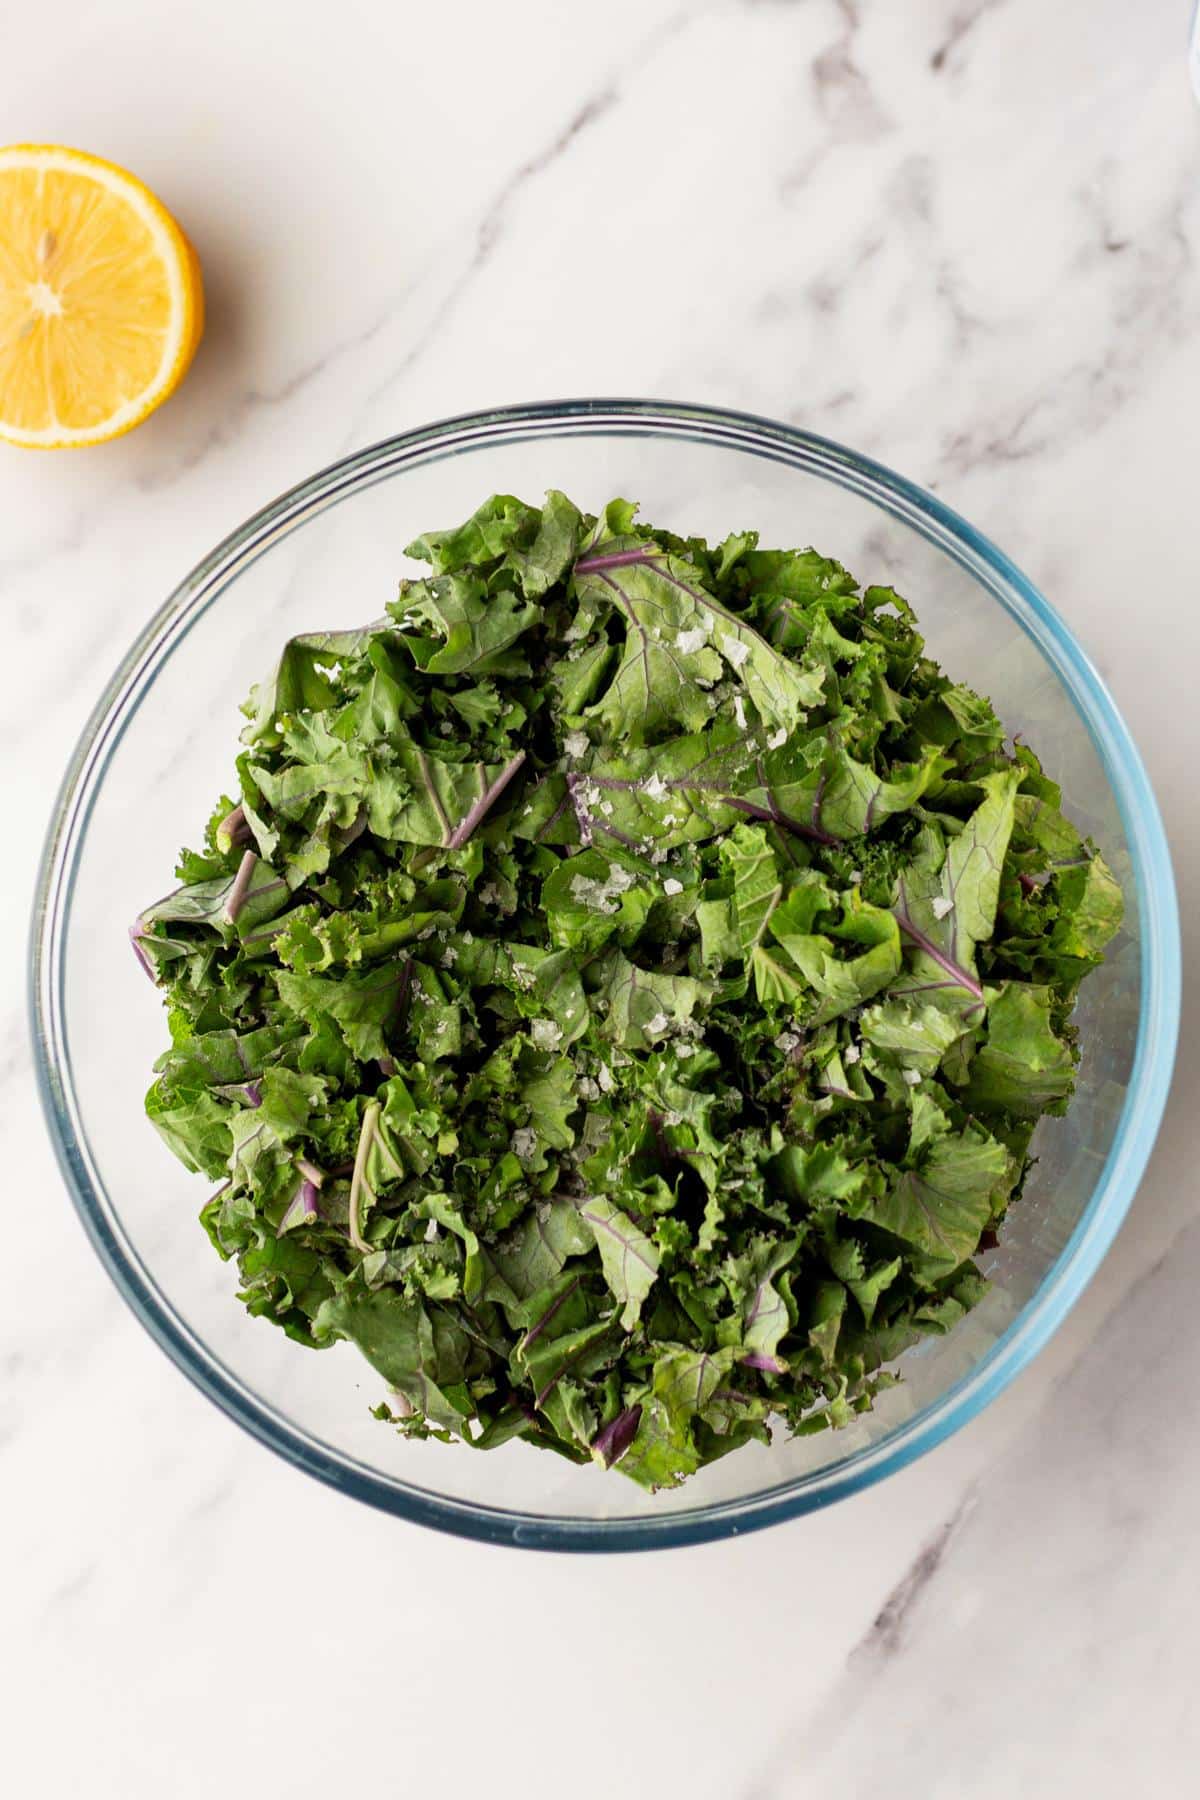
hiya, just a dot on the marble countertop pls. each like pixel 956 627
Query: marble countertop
pixel 961 235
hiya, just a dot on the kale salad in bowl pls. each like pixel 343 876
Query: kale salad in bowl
pixel 629 1000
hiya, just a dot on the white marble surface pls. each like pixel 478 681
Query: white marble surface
pixel 960 234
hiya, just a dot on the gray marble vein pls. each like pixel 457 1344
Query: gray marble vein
pixel 597 104
pixel 960 27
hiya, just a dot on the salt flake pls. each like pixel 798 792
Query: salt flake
pixel 592 893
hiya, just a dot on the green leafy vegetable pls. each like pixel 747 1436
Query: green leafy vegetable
pixel 621 995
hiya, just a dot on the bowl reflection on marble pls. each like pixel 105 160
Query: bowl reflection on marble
pixel 162 741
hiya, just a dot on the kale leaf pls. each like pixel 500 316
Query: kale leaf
pixel 621 995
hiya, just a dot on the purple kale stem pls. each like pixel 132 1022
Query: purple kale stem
pixel 771 815
pixel 233 828
pixel 770 1365
pixel 241 886
pixel 611 1443
pixel 618 836
pixel 386 1066
pixel 953 969
pixel 583 817
pixel 137 931
pixel 618 559
pixel 485 802
pixel 815 830
pixel 358 1181
pixel 1028 883
pixel 431 790
pixel 310 1171
pixel 253 1094
pixel 535 1331
pixel 540 1399
pixel 403 996
pixel 555 816
pixel 302 1207
pixel 343 839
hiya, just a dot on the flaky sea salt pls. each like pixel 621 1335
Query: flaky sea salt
pixel 545 1034
pixel 595 895
pixel 691 641
pixel 671 886
pixel 851 1054
pixel 737 653
pixel 576 744
pixel 940 907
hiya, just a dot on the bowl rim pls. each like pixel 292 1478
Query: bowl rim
pixel 1158 1021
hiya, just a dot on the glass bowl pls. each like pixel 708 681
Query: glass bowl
pixel 161 743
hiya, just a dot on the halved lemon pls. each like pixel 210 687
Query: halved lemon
pixel 101 301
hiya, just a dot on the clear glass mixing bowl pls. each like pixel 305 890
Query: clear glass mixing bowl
pixel 161 743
